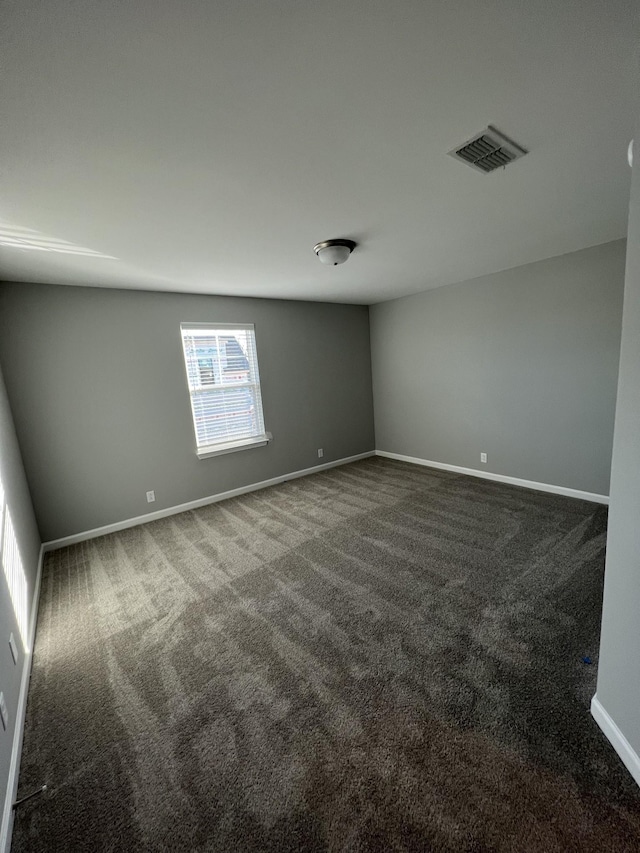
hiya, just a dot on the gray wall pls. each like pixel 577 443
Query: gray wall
pixel 521 365
pixel 97 386
pixel 18 503
pixel 619 666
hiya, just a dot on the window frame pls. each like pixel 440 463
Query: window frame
pixel 244 442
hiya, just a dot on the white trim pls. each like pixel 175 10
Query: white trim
pixel 174 510
pixel 618 741
pixel 499 478
pixel 16 752
pixel 246 327
pixel 232 446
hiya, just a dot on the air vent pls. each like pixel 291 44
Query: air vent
pixel 488 150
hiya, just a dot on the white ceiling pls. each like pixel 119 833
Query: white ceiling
pixel 207 145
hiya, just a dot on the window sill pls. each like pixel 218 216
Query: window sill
pixel 232 446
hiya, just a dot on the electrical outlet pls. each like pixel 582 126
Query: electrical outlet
pixel 4 714
pixel 14 648
pixel 151 496
pixel 320 453
pixel 483 457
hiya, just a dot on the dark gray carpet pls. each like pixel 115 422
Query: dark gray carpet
pixel 380 657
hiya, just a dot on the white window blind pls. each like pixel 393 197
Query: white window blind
pixel 224 384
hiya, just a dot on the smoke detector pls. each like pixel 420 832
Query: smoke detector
pixel 488 150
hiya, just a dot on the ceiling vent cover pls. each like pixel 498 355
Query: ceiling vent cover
pixel 488 150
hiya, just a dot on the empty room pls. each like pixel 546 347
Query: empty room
pixel 319 426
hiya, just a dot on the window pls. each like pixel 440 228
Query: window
pixel 222 374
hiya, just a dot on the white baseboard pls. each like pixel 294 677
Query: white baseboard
pixel 174 510
pixel 16 751
pixel 500 478
pixel 618 741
